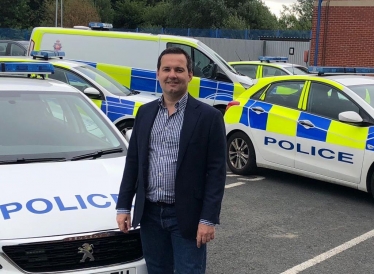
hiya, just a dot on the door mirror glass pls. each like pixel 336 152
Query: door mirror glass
pixel 350 117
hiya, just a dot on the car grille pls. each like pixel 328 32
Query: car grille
pixel 108 248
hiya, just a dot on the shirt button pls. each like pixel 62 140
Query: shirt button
pixel 161 158
pixel 160 174
pixel 160 189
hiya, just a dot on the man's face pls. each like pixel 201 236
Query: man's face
pixel 173 75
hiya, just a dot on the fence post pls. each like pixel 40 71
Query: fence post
pixel 246 34
pixel 216 33
pixel 188 32
pixel 137 29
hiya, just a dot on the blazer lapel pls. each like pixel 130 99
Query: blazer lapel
pixel 191 115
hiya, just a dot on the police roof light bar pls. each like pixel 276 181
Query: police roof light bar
pixel 100 26
pixel 26 68
pixel 339 70
pixel 272 58
pixel 47 54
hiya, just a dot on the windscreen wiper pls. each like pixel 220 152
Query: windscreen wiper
pixel 32 160
pixel 97 154
pixel 134 92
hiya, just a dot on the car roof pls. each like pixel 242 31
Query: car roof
pixel 351 80
pixel 12 82
pixel 57 61
pixel 274 64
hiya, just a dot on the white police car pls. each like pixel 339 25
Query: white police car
pixel 316 126
pixel 118 102
pixel 61 164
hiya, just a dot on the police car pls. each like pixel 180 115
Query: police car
pixel 315 126
pixel 118 102
pixel 61 164
pixel 268 66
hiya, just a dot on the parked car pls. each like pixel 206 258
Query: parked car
pixel 13 48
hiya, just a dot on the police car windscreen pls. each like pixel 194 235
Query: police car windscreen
pixel 366 92
pixel 52 124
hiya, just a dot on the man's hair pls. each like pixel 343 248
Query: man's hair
pixel 175 50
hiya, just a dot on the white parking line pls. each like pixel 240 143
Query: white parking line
pixel 234 184
pixel 256 178
pixel 232 175
pixel 329 254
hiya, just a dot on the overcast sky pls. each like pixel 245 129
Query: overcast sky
pixel 276 5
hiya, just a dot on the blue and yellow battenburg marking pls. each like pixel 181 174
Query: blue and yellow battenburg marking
pixel 146 81
pixel 284 121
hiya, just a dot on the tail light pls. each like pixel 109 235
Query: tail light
pixel 232 103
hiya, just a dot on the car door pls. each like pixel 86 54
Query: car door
pixel 326 146
pixel 273 120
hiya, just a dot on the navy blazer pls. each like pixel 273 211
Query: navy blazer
pixel 201 165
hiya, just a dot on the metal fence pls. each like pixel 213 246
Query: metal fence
pixel 16 34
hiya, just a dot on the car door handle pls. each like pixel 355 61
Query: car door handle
pixel 306 123
pixel 258 110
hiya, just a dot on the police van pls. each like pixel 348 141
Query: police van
pixel 131 59
pixel 61 165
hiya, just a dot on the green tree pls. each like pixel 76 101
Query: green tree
pixel 38 12
pixel 129 13
pixel 298 16
pixel 105 10
pixel 157 15
pixel 197 14
pixel 234 21
pixel 257 15
pixel 14 14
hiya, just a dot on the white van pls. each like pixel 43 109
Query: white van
pixel 131 59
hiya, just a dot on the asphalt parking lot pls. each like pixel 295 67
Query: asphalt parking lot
pixel 280 223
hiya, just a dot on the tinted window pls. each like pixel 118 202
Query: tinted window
pixel 248 70
pixel 70 78
pixel 268 71
pixel 16 50
pixel 284 94
pixel 327 101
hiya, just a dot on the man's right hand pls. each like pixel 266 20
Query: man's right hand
pixel 124 222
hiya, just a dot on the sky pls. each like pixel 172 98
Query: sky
pixel 276 5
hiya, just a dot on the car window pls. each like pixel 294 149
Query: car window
pixel 327 101
pixel 285 94
pixel 70 78
pixel 248 70
pixel 16 50
pixel 56 125
pixel 3 48
pixel 295 70
pixel 202 65
pixel 268 71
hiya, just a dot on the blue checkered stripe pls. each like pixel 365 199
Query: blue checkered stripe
pixel 115 108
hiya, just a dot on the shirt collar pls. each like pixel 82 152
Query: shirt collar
pixel 180 105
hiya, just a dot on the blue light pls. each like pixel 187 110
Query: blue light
pixel 47 54
pixel 273 58
pixel 340 70
pixel 98 25
pixel 26 68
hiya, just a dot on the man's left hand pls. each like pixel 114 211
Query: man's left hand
pixel 205 233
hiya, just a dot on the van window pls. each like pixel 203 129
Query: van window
pixel 202 65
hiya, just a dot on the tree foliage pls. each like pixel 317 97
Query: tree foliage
pixel 130 14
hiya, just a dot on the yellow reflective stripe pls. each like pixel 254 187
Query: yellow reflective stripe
pixel 119 73
pixel 304 96
pixel 194 87
pixel 61 65
pixel 97 102
pixel 259 72
pixel 282 120
pixel 136 107
pixel 238 90
pixel 39 32
pixel 342 134
pixel 367 97
pixel 233 114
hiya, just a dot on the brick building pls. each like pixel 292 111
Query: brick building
pixel 346 36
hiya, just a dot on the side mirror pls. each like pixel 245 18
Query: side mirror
pixel 128 135
pixel 92 93
pixel 350 117
pixel 214 71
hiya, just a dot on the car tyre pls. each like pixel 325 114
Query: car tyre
pixel 124 126
pixel 241 156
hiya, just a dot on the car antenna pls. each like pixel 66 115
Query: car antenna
pixel 238 56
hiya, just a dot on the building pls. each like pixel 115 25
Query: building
pixel 346 34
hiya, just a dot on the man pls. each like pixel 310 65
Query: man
pixel 176 165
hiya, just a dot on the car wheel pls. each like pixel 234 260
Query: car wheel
pixel 241 157
pixel 124 126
